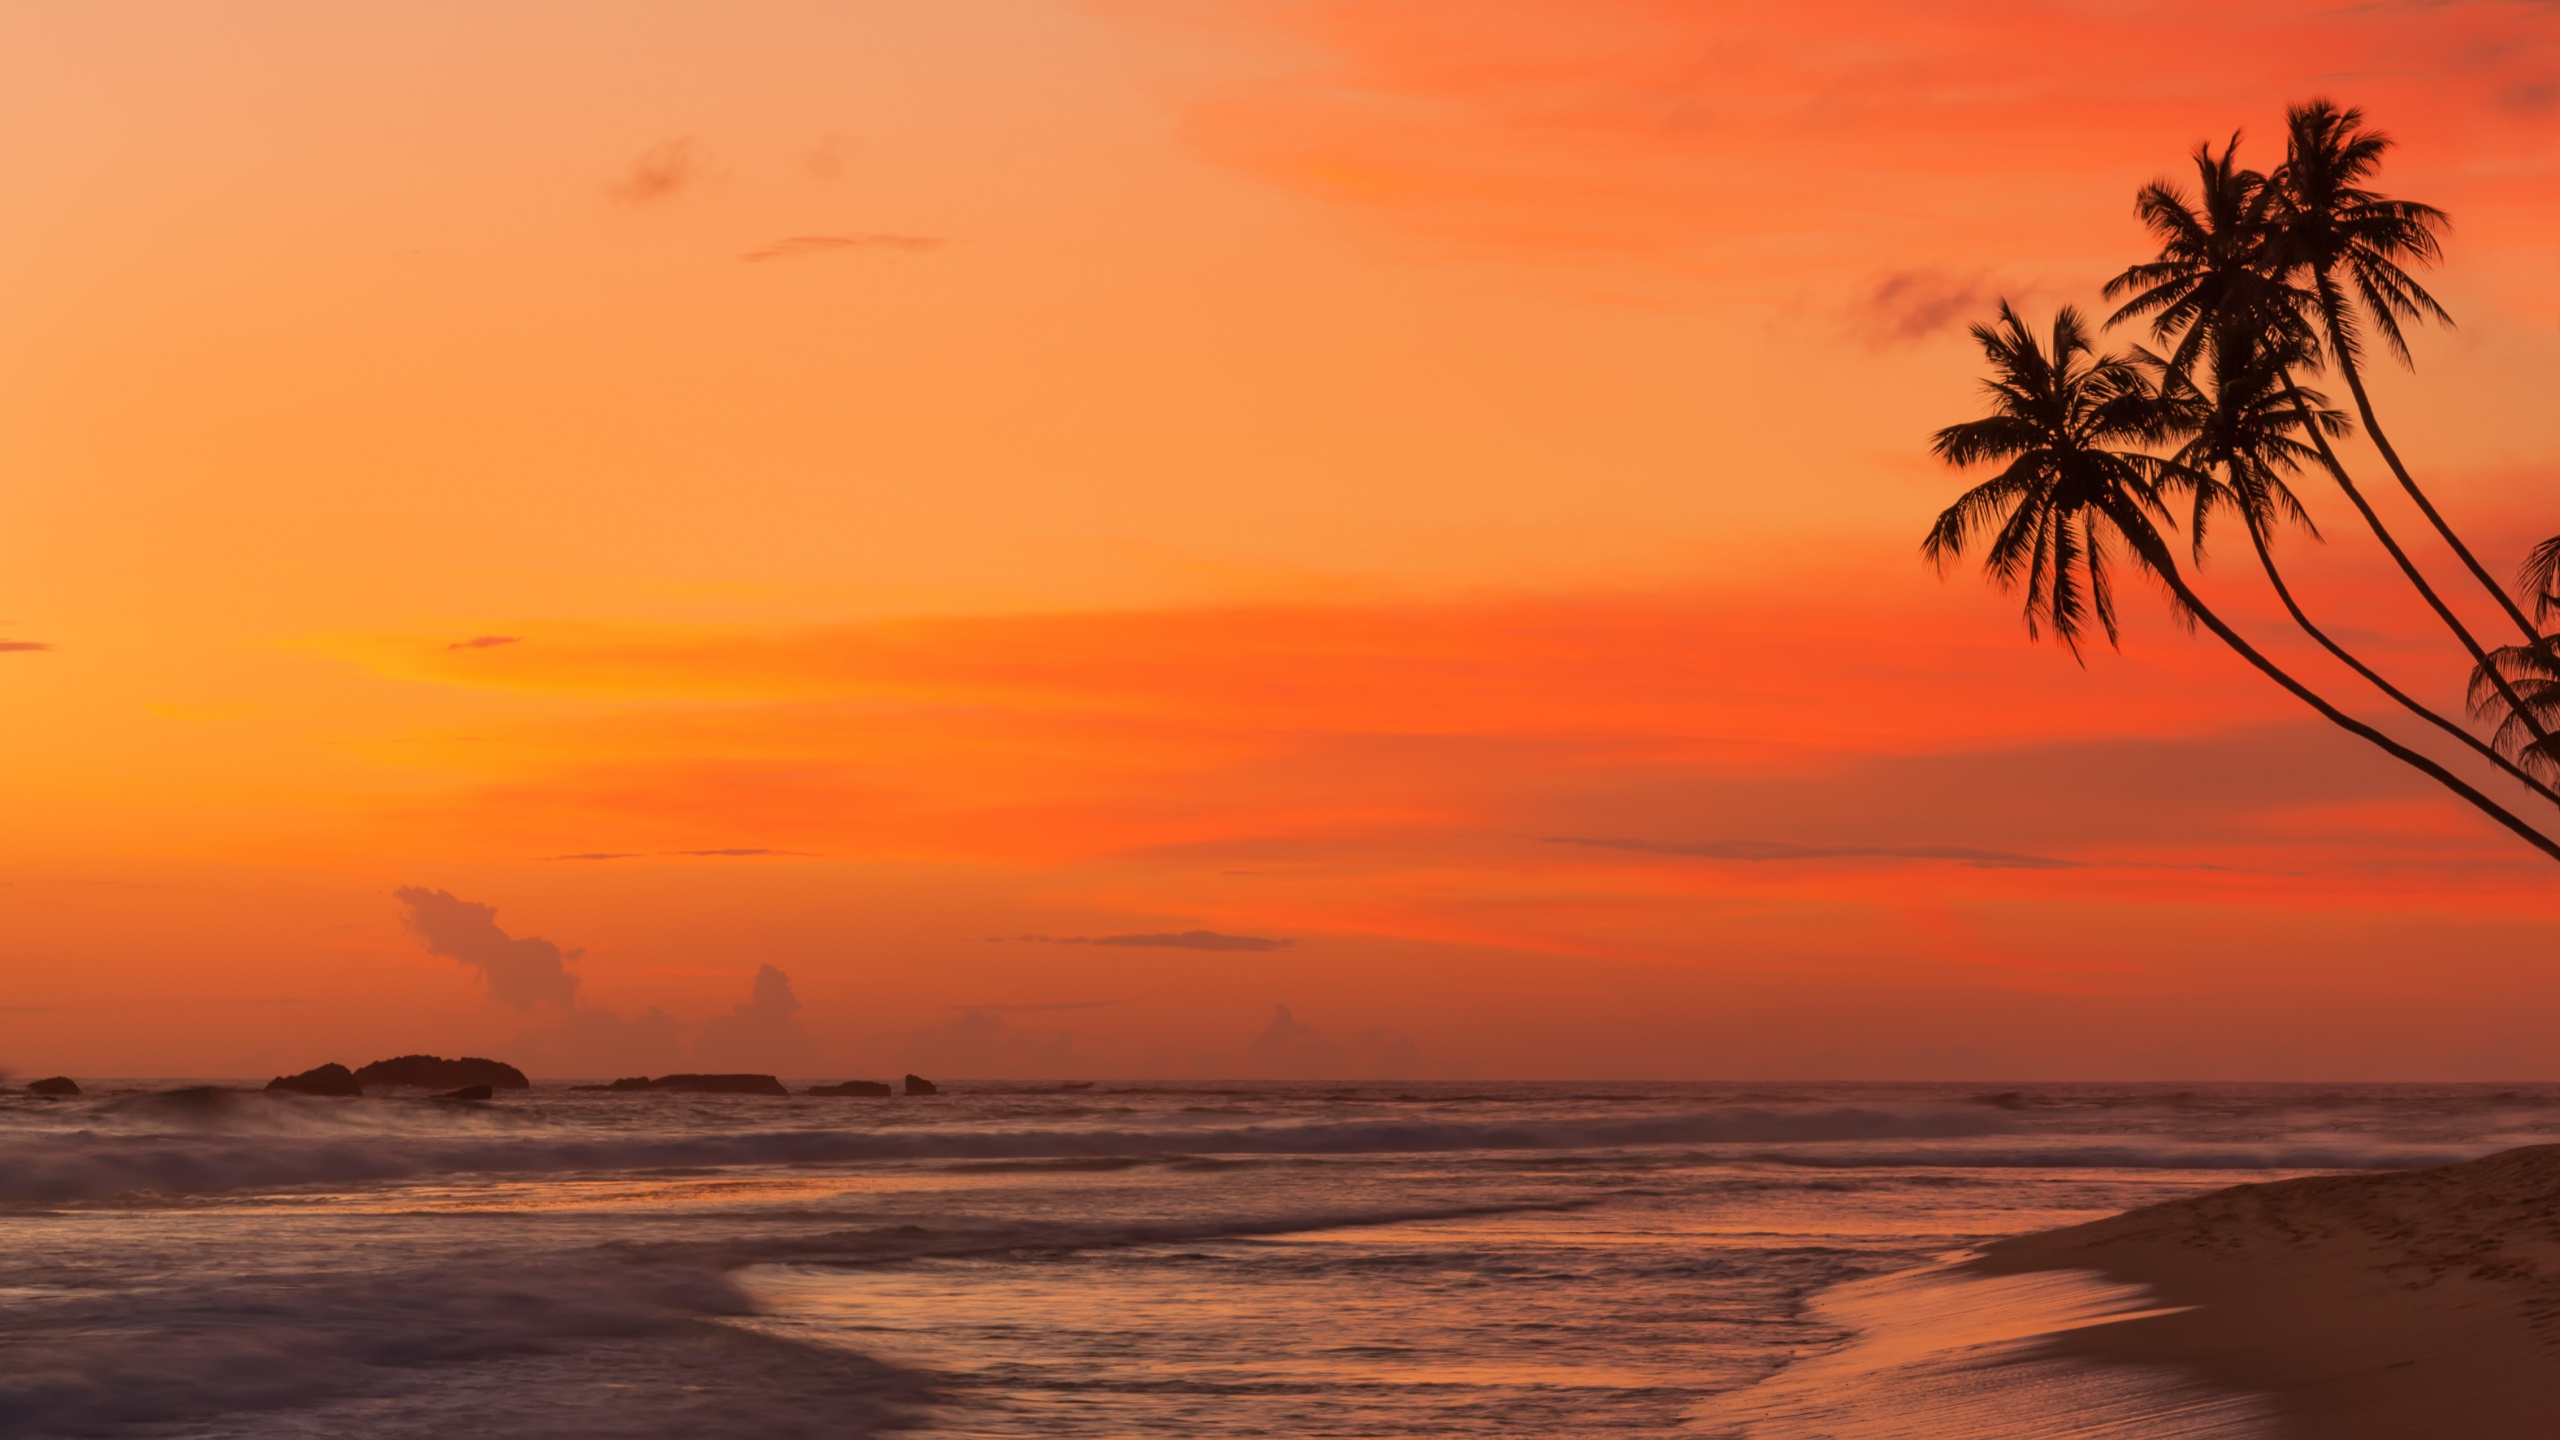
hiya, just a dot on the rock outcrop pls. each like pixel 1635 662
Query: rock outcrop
pixel 698 1084
pixel 851 1087
pixel 468 1092
pixel 330 1079
pixel 62 1086
pixel 432 1072
pixel 918 1085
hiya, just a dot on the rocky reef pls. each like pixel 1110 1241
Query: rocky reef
pixel 433 1072
pixel 698 1084
pixel 329 1079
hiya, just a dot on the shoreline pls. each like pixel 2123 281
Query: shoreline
pixel 2358 1307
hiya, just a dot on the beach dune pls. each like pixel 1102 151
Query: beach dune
pixel 2360 1307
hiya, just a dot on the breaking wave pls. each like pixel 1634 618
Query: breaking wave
pixel 91 1165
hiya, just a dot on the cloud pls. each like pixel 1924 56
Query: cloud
pixel 1760 850
pixel 735 850
pixel 800 247
pixel 524 974
pixel 662 172
pixel 7 646
pixel 1756 141
pixel 1184 940
pixel 979 1045
pixel 485 642
pixel 825 160
pixel 1291 1049
pixel 1912 305
pixel 595 1043
pixel 760 1034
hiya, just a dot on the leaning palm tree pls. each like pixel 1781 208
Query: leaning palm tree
pixel 2229 272
pixel 2353 249
pixel 2072 491
pixel 2531 672
pixel 2244 442
pixel 2211 279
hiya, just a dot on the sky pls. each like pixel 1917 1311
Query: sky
pixel 1193 538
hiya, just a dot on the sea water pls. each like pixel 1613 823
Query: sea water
pixel 1014 1260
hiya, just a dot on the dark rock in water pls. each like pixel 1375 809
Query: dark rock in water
pixel 850 1087
pixel 468 1092
pixel 918 1085
pixel 698 1084
pixel 720 1084
pixel 62 1085
pixel 330 1079
pixel 431 1072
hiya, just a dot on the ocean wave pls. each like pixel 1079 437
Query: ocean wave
pixel 90 1165
pixel 340 1352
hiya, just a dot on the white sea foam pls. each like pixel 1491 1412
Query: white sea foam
pixel 1938 1354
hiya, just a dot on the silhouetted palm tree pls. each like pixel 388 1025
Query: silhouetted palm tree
pixel 2354 247
pixel 2213 278
pixel 2070 493
pixel 2243 441
pixel 2069 489
pixel 2531 672
pixel 2226 275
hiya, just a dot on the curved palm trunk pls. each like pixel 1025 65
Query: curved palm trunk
pixel 2166 566
pixel 2487 751
pixel 2426 507
pixel 2408 567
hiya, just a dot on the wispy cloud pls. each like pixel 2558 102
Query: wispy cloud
pixel 1034 1009
pixel 485 642
pixel 800 247
pixel 1182 940
pixel 662 172
pixel 1767 850
pixel 1912 305
pixel 9 645
pixel 722 853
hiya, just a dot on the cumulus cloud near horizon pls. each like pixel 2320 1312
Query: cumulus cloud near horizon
pixel 761 1033
pixel 525 974
pixel 1291 1049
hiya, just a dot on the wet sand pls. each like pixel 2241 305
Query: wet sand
pixel 2421 1303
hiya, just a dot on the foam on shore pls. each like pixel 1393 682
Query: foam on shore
pixel 2365 1307
pixel 1943 1354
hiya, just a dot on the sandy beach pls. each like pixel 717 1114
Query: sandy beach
pixel 2417 1303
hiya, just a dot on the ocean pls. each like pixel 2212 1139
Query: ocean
pixel 1122 1259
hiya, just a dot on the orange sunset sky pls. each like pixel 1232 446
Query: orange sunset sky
pixel 1062 528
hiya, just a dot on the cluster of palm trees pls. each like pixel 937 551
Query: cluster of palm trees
pixel 2263 283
